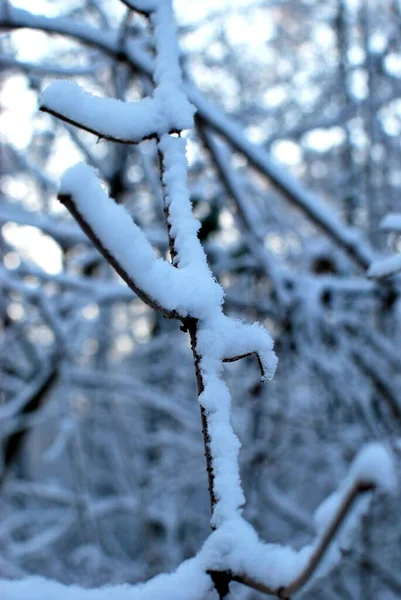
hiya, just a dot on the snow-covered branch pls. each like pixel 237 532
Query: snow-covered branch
pixel 312 316
pixel 348 239
pixel 388 265
pixel 234 548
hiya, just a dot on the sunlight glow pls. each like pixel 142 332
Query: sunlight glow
pixel 19 104
pixel 33 245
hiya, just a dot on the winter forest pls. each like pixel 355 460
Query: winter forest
pixel 200 299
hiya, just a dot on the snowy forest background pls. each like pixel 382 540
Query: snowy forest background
pixel 293 164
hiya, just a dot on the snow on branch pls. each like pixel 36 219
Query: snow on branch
pixel 282 571
pixel 168 111
pixel 354 244
pixel 391 222
pixel 384 267
pixel 389 265
pixel 118 238
pixel 235 548
pixel 189 582
pixel 107 118
pixel 185 289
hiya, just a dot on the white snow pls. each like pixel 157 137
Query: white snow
pixel 184 290
pixel 109 117
pixel 190 289
pixel 168 109
pixel 383 267
pixel 374 464
pixel 189 582
pixel 167 71
pixel 391 222
pixel 184 227
pixel 218 337
pixel 120 235
pixel 235 545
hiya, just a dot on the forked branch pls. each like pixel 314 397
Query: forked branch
pixel 319 551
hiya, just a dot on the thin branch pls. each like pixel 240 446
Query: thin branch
pixel 133 6
pixel 97 132
pixel 69 203
pixel 41 387
pixel 191 326
pixel 317 555
pixel 241 356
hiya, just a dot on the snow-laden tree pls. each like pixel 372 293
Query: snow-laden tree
pixel 103 475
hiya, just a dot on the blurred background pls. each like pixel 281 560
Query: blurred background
pixel 294 160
